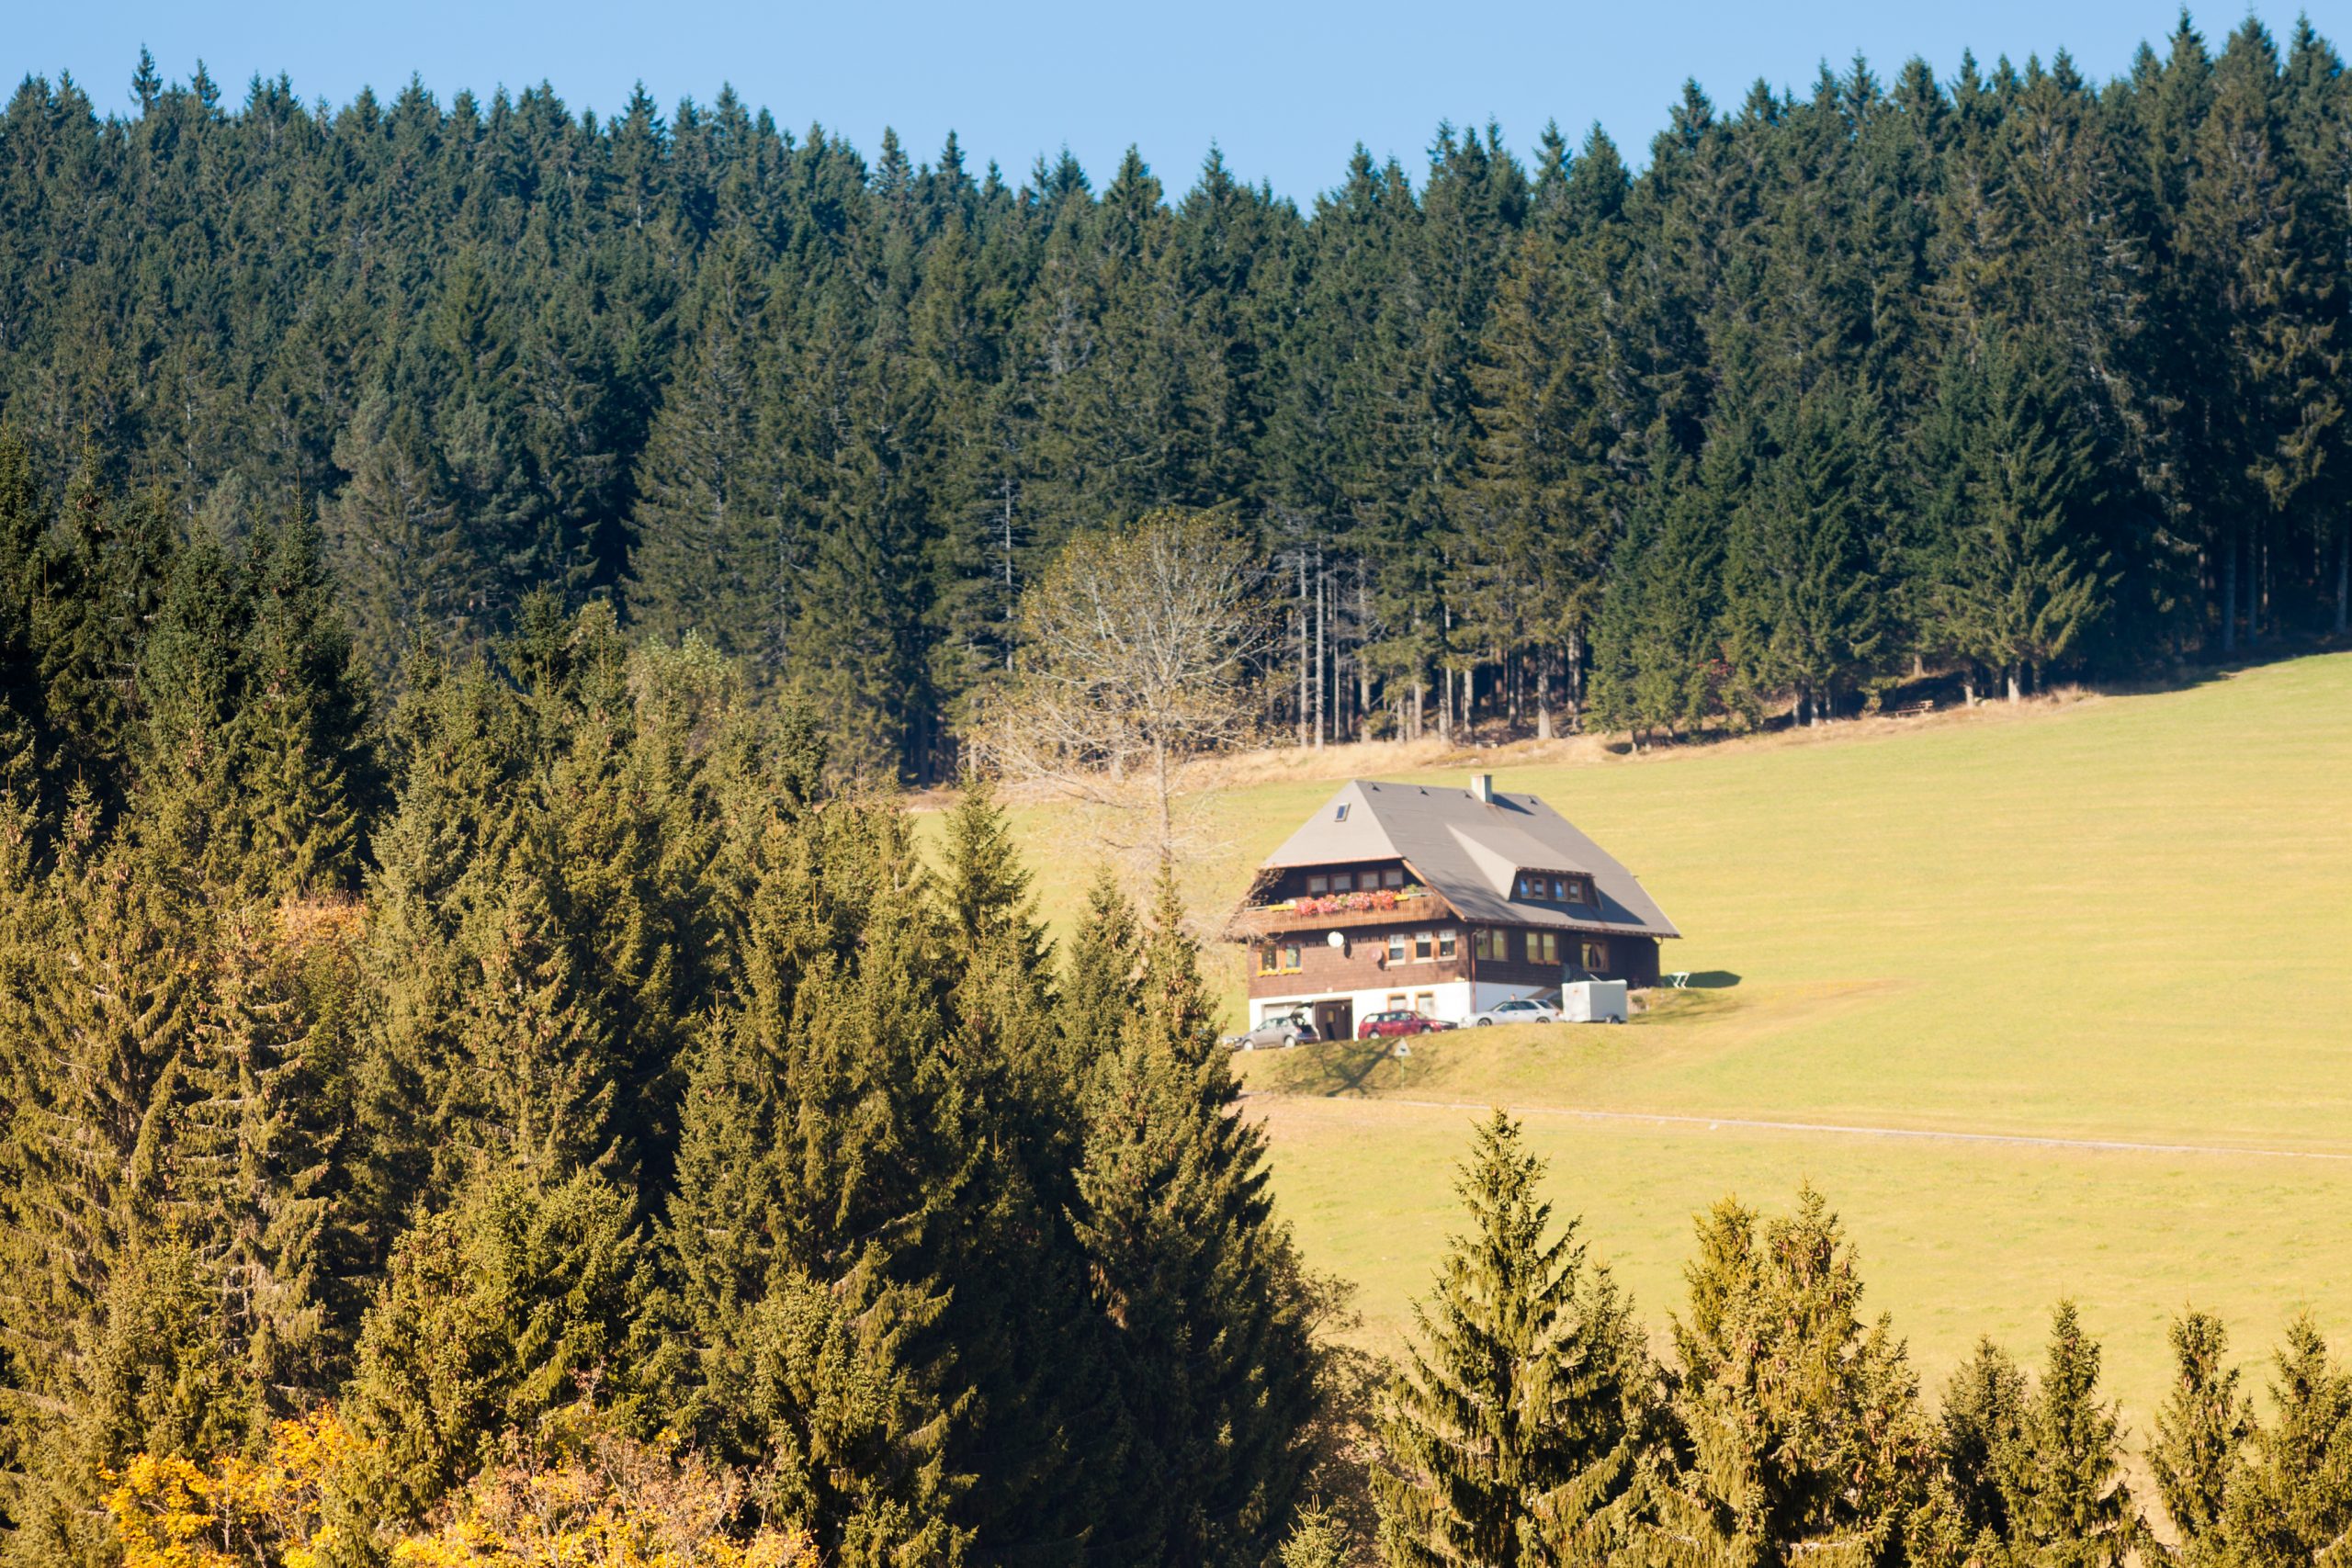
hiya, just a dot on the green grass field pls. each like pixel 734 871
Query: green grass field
pixel 2123 919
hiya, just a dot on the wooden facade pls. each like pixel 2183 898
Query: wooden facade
pixel 1369 961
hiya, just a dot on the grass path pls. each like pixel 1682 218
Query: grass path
pixel 1947 1136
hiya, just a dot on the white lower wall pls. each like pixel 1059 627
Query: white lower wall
pixel 1452 1001
pixel 1447 1000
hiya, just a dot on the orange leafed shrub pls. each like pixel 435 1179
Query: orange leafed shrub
pixel 580 1494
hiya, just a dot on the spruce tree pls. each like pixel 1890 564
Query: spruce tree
pixel 398 538
pixel 190 777
pixel 265 1146
pixel 2017 583
pixel 1027 1335
pixel 1983 1408
pixel 111 1326
pixel 149 1371
pixel 308 773
pixel 1210 1359
pixel 106 570
pixel 1515 1427
pixel 2061 1476
pixel 824 1159
pixel 516 1300
pixel 1100 986
pixel 986 888
pixel 1807 603
pixel 2291 1501
pixel 1800 1421
pixel 537 1087
pixel 711 551
pixel 23 522
pixel 462 758
pixel 2202 1430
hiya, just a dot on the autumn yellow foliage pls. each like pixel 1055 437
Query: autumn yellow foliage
pixel 271 1513
pixel 575 1494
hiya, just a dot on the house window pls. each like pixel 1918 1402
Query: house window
pixel 1342 882
pixel 1394 878
pixel 1445 945
pixel 1425 1003
pixel 1559 891
pixel 1486 943
pixel 1292 953
pixel 1424 945
pixel 1596 956
pixel 1396 947
pixel 1317 886
pixel 1575 891
pixel 1543 947
pixel 1340 814
pixel 1396 1001
pixel 1267 959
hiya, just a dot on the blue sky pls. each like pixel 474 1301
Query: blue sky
pixel 1286 90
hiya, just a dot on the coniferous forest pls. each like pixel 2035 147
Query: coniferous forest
pixel 2006 376
pixel 485 1076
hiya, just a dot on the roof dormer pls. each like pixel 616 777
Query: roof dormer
pixel 1554 886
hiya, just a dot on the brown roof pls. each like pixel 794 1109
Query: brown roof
pixel 1468 851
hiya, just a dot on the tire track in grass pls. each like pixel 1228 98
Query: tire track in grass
pixel 1833 1129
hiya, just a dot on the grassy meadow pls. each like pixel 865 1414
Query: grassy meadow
pixel 2123 919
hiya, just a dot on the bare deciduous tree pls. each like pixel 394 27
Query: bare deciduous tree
pixel 1134 656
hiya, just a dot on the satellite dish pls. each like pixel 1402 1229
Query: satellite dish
pixel 1337 939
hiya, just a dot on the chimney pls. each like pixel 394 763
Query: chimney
pixel 1482 785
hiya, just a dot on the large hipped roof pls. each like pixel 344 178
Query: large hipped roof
pixel 1468 851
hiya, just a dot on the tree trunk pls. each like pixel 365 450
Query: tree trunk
pixel 1575 680
pixel 1012 600
pixel 1302 629
pixel 1322 626
pixel 2011 673
pixel 1543 694
pixel 2344 580
pixel 1167 809
pixel 2253 569
pixel 2230 596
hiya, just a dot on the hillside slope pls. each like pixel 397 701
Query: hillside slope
pixel 2122 921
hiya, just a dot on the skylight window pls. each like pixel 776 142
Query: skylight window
pixel 1341 813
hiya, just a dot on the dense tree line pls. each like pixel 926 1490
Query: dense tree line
pixel 1994 376
pixel 556 1039
pixel 1533 1426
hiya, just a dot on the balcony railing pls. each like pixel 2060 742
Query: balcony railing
pixel 1336 912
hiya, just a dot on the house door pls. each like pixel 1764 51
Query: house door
pixel 1335 1021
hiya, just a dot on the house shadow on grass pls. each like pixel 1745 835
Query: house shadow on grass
pixel 1710 980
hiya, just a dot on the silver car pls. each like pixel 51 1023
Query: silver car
pixel 1290 1031
pixel 1519 1009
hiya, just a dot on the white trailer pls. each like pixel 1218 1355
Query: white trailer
pixel 1594 1001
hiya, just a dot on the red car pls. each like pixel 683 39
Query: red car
pixel 1394 1023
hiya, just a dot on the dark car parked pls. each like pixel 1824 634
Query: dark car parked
pixel 1382 1025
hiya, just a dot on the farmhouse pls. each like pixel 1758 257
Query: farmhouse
pixel 1445 901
